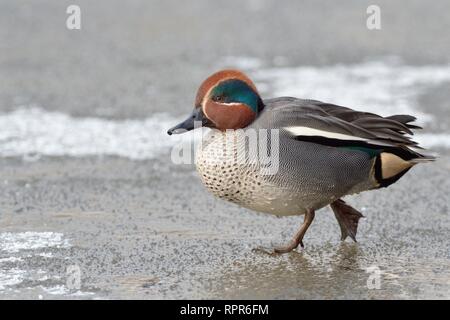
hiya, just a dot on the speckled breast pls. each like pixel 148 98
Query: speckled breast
pixel 232 173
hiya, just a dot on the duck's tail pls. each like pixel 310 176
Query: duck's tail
pixel 393 163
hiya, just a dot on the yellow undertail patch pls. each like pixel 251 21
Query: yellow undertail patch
pixel 392 165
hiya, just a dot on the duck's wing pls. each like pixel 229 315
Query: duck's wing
pixel 324 123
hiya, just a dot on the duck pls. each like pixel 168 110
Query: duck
pixel 321 151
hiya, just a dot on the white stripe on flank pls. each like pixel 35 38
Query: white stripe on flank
pixel 306 131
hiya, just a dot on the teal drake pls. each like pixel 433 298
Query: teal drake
pixel 323 152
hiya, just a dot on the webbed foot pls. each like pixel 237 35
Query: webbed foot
pixel 296 241
pixel 347 218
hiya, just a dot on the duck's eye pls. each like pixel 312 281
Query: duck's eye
pixel 217 98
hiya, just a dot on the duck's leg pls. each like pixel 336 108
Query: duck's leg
pixel 298 238
pixel 347 218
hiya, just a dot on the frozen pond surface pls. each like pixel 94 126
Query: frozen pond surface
pixel 91 207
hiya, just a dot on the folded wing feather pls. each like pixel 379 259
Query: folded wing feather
pixel 315 118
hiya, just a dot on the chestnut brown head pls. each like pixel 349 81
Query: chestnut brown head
pixel 228 99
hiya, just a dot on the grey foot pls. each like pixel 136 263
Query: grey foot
pixel 296 241
pixel 347 218
pixel 277 250
pixel 265 250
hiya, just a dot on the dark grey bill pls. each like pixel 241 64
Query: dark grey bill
pixel 188 124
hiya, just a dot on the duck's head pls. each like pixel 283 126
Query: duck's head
pixel 228 99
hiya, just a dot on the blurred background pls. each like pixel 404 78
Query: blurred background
pixel 86 181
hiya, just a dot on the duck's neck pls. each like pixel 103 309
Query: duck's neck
pixel 260 105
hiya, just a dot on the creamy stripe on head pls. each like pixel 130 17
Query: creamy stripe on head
pixel 306 131
pixel 205 97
